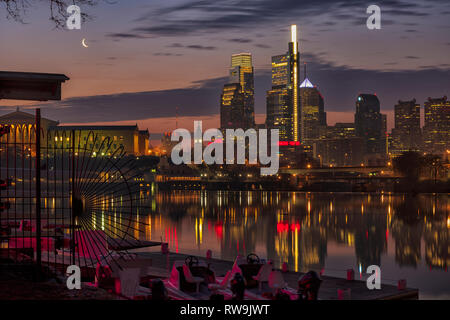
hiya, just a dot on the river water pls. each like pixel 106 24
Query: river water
pixel 407 236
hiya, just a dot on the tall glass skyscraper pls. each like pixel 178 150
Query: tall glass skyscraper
pixel 369 125
pixel 437 125
pixel 279 112
pixel 241 83
pixel 294 63
pixel 313 116
pixel 283 102
pixel 406 135
pixel 232 107
pixel 280 70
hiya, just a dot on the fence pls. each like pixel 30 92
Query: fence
pixel 66 198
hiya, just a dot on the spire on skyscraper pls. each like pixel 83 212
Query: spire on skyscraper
pixel 306 84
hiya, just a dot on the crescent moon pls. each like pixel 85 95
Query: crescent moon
pixel 83 42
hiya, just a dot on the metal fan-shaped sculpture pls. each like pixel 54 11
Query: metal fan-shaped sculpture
pixel 98 188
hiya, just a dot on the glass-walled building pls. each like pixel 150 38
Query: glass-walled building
pixel 370 125
pixel 406 135
pixel 437 125
pixel 313 114
pixel 283 102
pixel 237 108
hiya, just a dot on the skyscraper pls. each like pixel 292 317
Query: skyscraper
pixel 406 135
pixel 369 125
pixel 280 70
pixel 232 107
pixel 240 103
pixel 283 102
pixel 313 116
pixel 294 62
pixel 436 130
pixel 279 112
pixel 339 146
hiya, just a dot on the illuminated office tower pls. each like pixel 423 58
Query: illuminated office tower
pixel 242 60
pixel 369 125
pixel 279 112
pixel 241 72
pixel 436 130
pixel 279 107
pixel 283 103
pixel 384 143
pixel 232 107
pixel 339 146
pixel 294 62
pixel 406 134
pixel 343 130
pixel 280 70
pixel 313 115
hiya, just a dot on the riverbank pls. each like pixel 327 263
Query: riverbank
pixel 375 185
pixel 16 285
pixel 331 287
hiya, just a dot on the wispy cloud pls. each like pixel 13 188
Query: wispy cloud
pixel 191 46
pixel 125 36
pixel 240 40
pixel 339 85
pixel 200 47
pixel 262 46
pixel 201 16
pixel 167 54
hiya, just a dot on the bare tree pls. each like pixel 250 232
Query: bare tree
pixel 16 9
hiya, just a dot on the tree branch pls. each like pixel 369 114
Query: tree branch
pixel 17 9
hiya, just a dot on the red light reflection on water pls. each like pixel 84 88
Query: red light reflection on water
pixel 285 227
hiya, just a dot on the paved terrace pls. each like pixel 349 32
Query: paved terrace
pixel 328 289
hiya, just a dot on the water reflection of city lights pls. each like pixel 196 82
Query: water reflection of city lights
pixel 275 226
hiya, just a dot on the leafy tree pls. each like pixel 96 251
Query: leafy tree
pixel 432 165
pixel 409 165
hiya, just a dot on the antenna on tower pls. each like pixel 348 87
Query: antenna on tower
pixel 305 69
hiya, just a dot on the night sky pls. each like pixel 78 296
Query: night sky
pixel 145 58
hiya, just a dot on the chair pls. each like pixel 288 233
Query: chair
pixel 235 269
pixel 191 279
pixel 276 280
pixel 221 285
pixel 128 282
pixel 174 278
pixel 263 275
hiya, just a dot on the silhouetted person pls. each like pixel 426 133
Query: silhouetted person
pixel 280 295
pixel 238 287
pixel 159 291
pixel 308 286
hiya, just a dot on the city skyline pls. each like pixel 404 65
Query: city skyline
pixel 224 150
pixel 105 78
